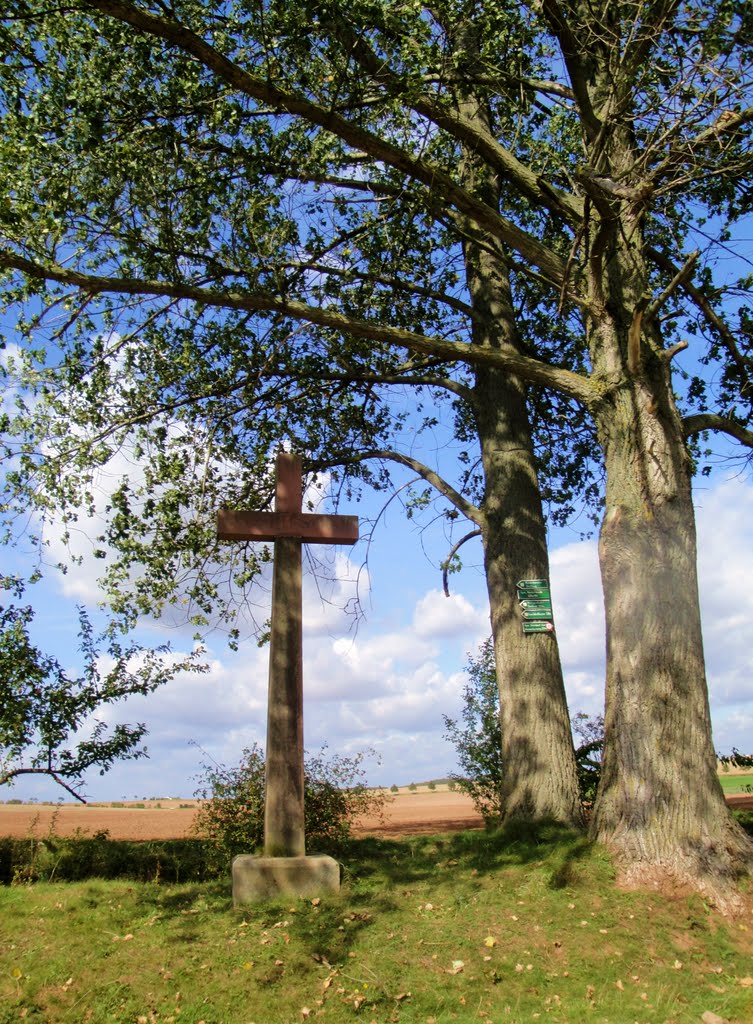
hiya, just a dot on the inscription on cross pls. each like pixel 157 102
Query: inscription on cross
pixel 289 527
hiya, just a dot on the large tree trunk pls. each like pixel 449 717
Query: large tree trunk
pixel 540 776
pixel 660 807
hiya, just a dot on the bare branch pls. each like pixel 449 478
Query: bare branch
pixel 453 552
pixel 679 278
pixel 711 421
pixel 705 307
pixel 571 51
pixel 15 772
pixel 467 508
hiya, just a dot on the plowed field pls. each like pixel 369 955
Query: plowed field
pixel 406 814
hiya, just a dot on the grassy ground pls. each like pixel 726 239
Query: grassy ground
pixel 463 927
pixel 732 784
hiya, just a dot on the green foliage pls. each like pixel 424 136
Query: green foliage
pixel 590 729
pixel 394 788
pixel 431 785
pixel 231 819
pixel 44 710
pixel 478 741
pixel 78 857
pixel 413 787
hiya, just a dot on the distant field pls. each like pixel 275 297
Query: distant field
pixel 736 783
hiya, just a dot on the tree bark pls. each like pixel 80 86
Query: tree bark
pixel 660 807
pixel 540 776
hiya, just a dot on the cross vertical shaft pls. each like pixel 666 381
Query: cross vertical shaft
pixel 284 831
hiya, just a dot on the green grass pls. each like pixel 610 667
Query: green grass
pixel 732 784
pixel 470 927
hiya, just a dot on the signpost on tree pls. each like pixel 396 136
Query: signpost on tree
pixel 284 866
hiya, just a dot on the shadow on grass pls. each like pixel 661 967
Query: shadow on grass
pixel 411 861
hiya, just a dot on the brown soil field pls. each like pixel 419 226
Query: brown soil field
pixel 405 814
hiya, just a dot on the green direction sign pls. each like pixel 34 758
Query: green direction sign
pixel 536 606
pixel 538 626
pixel 538 613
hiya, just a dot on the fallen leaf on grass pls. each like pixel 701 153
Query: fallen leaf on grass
pixel 709 1017
pixel 746 982
pixel 457 967
pixel 402 996
pixel 490 941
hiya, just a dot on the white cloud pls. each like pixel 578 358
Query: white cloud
pixel 438 615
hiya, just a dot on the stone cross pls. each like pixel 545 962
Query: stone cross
pixel 289 528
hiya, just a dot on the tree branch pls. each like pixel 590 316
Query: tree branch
pixel 568 42
pixel 461 128
pixel 432 177
pixel 467 508
pixel 711 421
pixel 392 282
pixel 712 318
pixel 534 370
pixel 455 549
pixel 15 772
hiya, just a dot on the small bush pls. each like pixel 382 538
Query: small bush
pixel 232 818
pixel 432 785
pixel 413 787
pixel 394 788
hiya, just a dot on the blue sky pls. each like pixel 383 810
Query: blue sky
pixel 386 684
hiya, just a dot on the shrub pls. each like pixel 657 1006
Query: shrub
pixel 232 818
pixel 413 787
pixel 394 788
pixel 590 729
pixel 478 741
pixel 431 785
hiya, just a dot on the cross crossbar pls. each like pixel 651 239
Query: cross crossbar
pixel 310 528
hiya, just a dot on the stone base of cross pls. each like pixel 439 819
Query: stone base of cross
pixel 284 830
